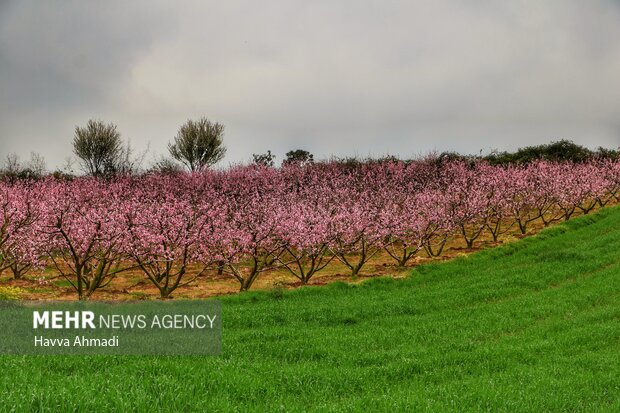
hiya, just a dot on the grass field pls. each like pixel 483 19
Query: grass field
pixel 533 325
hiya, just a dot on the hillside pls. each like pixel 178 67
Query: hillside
pixel 530 326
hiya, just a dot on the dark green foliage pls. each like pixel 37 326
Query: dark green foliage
pixel 198 144
pixel 563 150
pixel 603 153
pixel 265 159
pixel 298 156
pixel 99 148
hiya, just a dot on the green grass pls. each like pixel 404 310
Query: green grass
pixel 530 326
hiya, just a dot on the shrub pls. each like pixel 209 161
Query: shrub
pixel 10 293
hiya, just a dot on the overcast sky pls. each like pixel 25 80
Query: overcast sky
pixel 332 77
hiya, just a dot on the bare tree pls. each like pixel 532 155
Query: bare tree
pixel 198 144
pixel 99 148
pixel 14 169
pixel 37 164
pixel 128 162
pixel 12 166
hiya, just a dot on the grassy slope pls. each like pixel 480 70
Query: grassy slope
pixel 529 326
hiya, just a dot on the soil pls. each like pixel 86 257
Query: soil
pixel 47 284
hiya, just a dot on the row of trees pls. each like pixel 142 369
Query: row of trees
pixel 199 145
pixel 246 220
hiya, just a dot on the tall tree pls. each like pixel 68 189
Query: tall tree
pixel 198 144
pixel 298 156
pixel 99 148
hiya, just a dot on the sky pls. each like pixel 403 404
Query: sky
pixel 336 78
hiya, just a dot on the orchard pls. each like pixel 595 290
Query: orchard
pixel 245 220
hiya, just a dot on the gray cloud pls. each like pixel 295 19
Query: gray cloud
pixel 350 77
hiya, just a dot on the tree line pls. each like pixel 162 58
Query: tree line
pixel 198 145
pixel 101 152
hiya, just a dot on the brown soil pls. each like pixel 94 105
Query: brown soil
pixel 47 284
